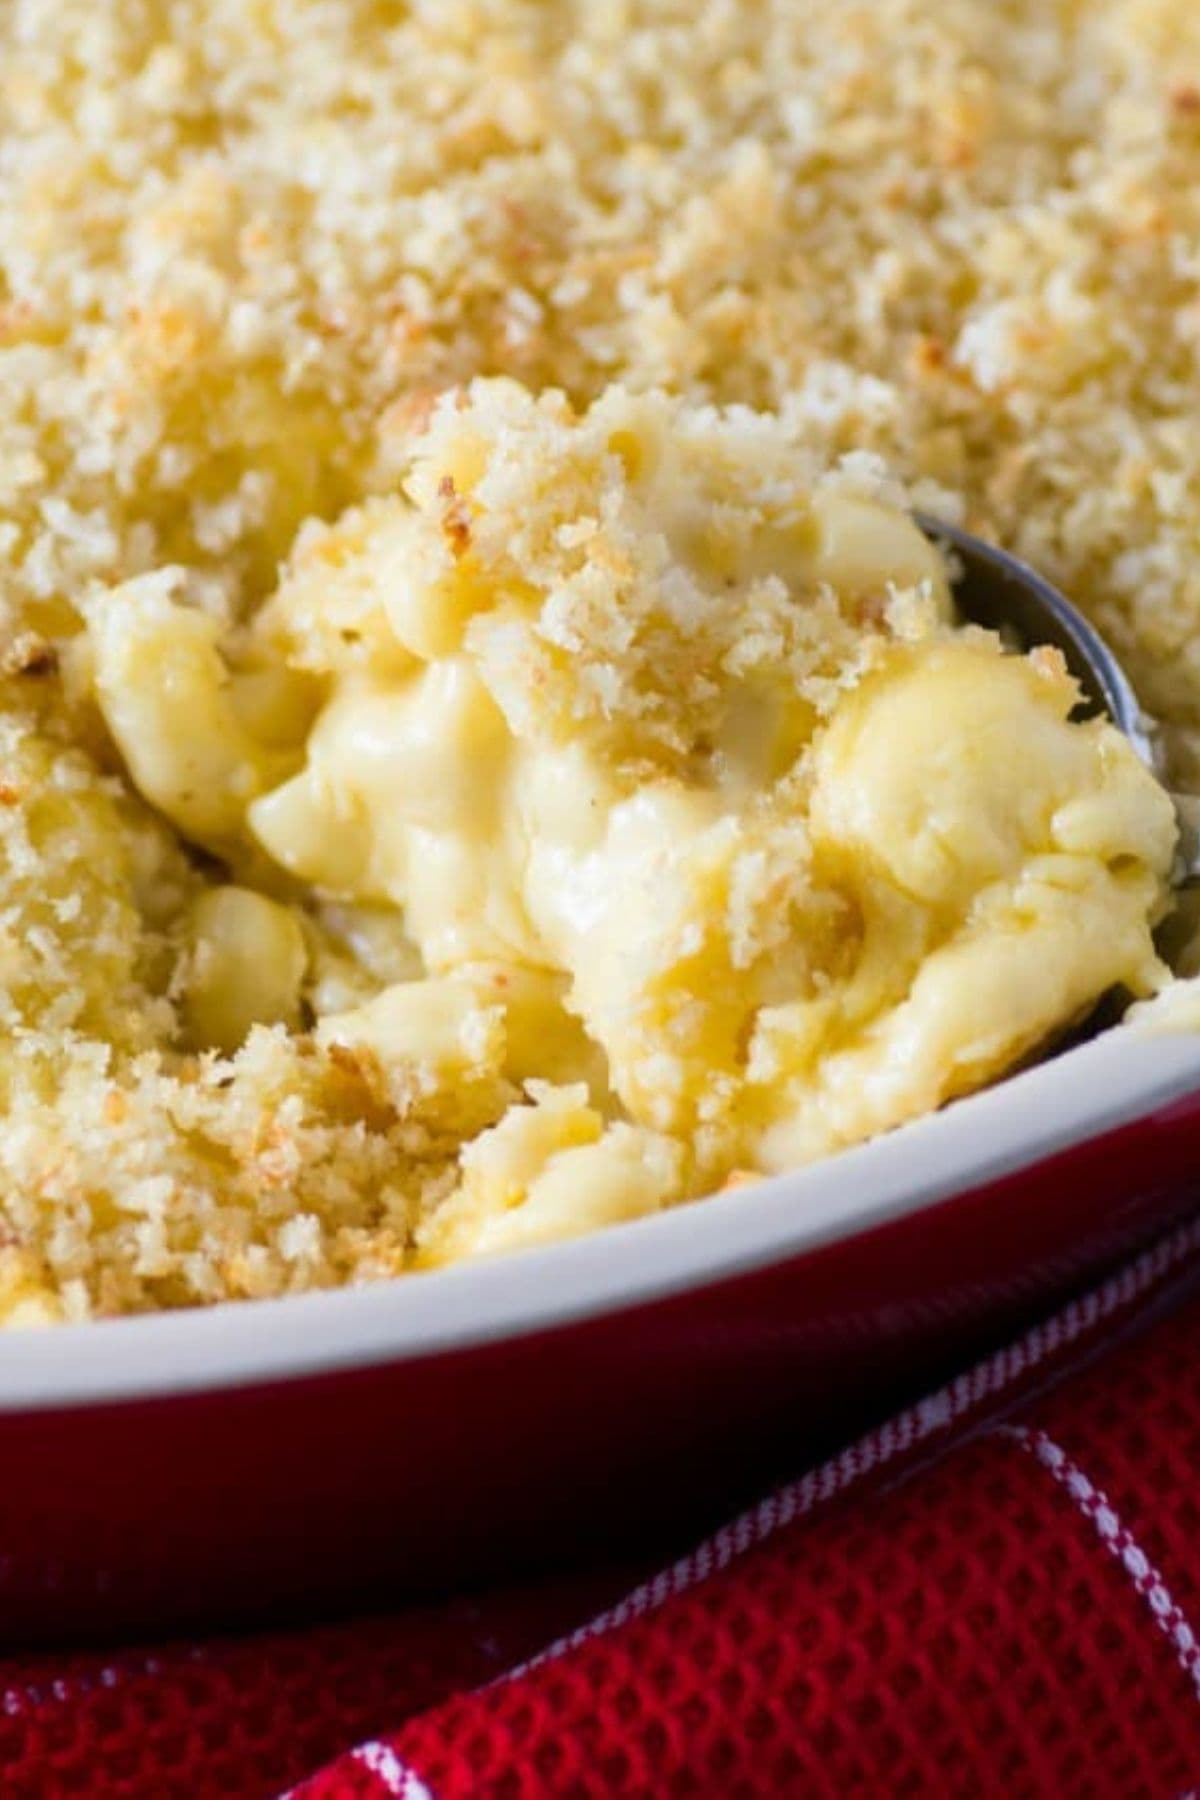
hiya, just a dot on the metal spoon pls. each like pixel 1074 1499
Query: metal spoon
pixel 1005 594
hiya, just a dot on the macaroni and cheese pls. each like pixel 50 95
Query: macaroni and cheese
pixel 484 749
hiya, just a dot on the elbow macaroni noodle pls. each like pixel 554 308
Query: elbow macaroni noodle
pixel 715 836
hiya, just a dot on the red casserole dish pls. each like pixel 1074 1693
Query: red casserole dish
pixel 276 1457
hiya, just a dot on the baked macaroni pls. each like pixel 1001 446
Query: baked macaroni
pixel 484 750
pixel 714 836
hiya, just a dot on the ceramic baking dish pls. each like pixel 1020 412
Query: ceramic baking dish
pixel 255 1459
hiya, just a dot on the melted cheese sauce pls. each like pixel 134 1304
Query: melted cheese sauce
pixel 703 816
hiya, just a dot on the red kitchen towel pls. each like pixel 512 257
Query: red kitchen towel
pixel 995 1593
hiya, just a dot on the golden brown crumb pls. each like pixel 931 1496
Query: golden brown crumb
pixel 29 655
pixel 456 525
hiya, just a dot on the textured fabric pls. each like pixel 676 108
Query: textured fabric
pixel 998 1592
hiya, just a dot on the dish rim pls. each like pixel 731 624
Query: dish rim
pixel 1127 1073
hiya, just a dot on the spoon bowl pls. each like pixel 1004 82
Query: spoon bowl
pixel 1004 594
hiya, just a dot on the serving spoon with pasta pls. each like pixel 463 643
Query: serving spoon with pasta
pixel 1000 592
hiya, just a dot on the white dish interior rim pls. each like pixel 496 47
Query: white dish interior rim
pixel 1114 1079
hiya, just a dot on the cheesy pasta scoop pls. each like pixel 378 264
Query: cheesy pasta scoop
pixel 714 833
